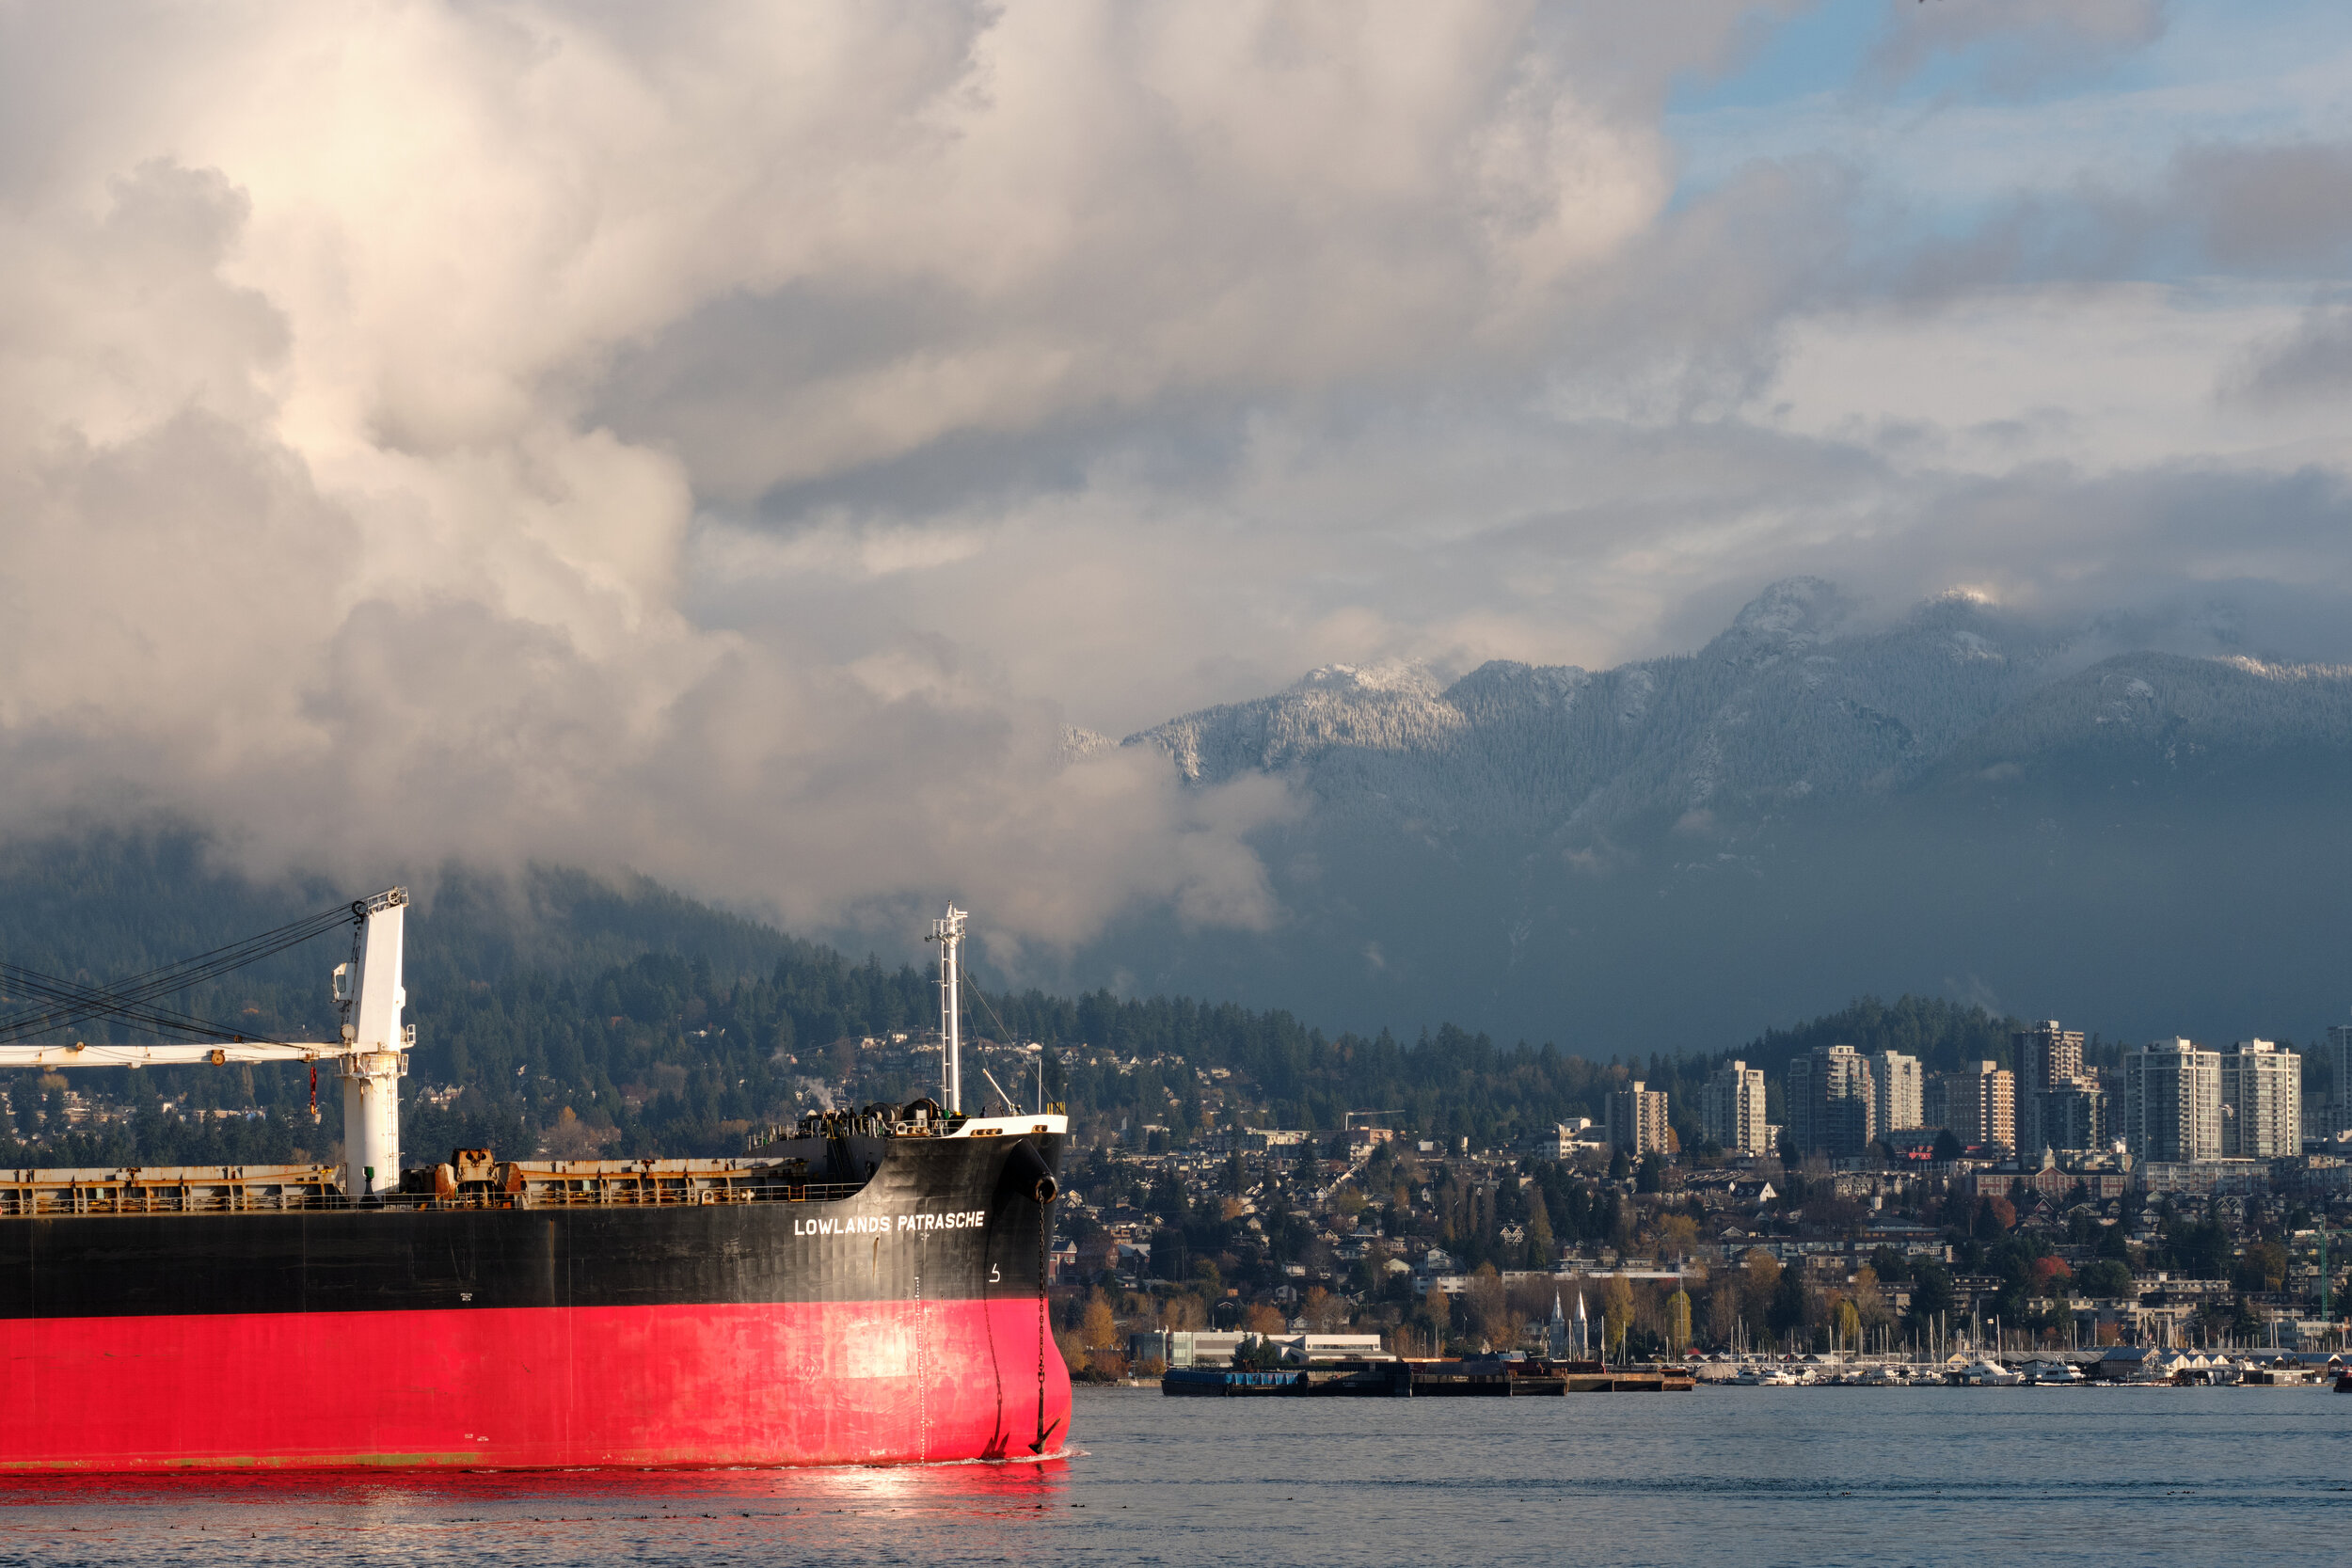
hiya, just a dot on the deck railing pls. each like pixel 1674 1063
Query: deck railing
pixel 234 1190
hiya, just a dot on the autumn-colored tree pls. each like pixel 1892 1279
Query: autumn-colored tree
pixel 1616 1306
pixel 1678 1235
pixel 2048 1274
pixel 571 1138
pixel 1679 1323
pixel 1846 1322
pixel 1264 1318
pixel 1098 1329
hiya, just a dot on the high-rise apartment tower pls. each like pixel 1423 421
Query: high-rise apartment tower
pixel 1831 1102
pixel 1731 1108
pixel 2173 1103
pixel 1979 1104
pixel 1637 1119
pixel 2049 1061
pixel 2262 1102
pixel 1897 1091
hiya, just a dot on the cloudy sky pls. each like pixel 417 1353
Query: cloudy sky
pixel 734 441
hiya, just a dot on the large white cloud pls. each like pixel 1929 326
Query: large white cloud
pixel 367 375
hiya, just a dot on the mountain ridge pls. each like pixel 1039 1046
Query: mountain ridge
pixel 1846 715
pixel 1837 787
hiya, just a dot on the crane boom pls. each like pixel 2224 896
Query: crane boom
pixel 180 1054
pixel 372 1054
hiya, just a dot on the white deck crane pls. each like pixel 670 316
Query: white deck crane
pixel 372 1054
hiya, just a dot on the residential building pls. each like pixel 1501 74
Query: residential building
pixel 2173 1103
pixel 1568 1139
pixel 1731 1109
pixel 2074 1116
pixel 2262 1102
pixel 2340 1057
pixel 1896 1088
pixel 1832 1107
pixel 1637 1119
pixel 2049 1059
pixel 1980 1105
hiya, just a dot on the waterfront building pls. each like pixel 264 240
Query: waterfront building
pixel 1898 1090
pixel 2173 1103
pixel 1831 1102
pixel 1979 1104
pixel 2262 1102
pixel 1637 1119
pixel 1731 1109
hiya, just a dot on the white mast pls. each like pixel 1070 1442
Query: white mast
pixel 948 933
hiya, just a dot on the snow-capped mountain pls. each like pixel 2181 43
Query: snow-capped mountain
pixel 1809 807
pixel 1782 707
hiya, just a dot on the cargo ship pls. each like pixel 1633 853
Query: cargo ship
pixel 867 1287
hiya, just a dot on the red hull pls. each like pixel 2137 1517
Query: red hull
pixel 842 1382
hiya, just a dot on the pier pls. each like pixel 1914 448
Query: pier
pixel 1434 1379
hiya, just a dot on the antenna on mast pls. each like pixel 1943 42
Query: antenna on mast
pixel 948 933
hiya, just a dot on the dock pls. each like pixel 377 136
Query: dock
pixel 1430 1379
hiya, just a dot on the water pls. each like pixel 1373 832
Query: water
pixel 1735 1476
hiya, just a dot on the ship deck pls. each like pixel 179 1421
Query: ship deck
pixel 31 1194
pixel 828 1160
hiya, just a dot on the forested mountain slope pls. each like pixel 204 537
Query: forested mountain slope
pixel 659 1024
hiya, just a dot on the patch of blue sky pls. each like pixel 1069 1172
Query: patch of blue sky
pixel 1962 137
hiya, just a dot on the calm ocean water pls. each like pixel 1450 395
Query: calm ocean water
pixel 1877 1476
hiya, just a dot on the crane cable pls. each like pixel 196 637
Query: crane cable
pixel 129 1000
